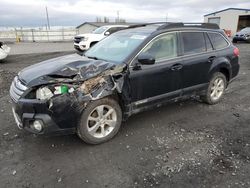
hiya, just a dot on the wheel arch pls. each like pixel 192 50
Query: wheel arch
pixel 221 65
pixel 93 43
pixel 226 72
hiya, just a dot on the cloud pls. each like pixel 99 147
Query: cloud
pixel 74 12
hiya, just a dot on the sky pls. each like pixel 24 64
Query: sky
pixel 18 13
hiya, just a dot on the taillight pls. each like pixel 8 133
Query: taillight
pixel 236 51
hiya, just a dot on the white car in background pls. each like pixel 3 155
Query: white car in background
pixel 83 42
pixel 4 51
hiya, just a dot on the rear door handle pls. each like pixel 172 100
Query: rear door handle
pixel 210 59
pixel 176 67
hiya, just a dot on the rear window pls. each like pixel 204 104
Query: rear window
pixel 218 40
pixel 193 42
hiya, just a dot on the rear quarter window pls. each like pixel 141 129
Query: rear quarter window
pixel 218 41
pixel 208 43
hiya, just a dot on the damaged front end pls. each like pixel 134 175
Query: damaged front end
pixel 54 102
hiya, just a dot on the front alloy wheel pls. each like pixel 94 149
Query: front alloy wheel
pixel 100 121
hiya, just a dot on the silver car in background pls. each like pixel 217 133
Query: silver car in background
pixel 242 35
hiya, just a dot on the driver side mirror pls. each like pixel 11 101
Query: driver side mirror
pixel 146 59
pixel 107 33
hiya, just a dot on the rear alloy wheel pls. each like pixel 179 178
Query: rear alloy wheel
pixel 215 89
pixel 100 121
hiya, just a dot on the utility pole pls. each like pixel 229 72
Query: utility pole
pixel 47 14
pixel 118 16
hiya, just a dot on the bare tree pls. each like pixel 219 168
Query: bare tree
pixel 98 19
pixel 105 19
pixel 120 20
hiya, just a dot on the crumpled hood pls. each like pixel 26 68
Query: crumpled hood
pixel 67 67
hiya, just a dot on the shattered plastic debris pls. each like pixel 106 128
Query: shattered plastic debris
pixel 90 84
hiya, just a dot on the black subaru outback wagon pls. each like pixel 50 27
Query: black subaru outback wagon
pixel 135 69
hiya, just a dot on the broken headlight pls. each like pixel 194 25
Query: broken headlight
pixel 46 93
pixel 43 93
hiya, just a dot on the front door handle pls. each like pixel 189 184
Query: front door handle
pixel 210 59
pixel 176 67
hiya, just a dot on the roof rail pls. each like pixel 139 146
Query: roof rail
pixel 144 24
pixel 170 25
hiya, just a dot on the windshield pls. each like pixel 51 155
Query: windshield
pixel 100 30
pixel 247 29
pixel 117 47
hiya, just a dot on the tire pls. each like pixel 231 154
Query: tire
pixel 235 41
pixel 216 89
pixel 94 127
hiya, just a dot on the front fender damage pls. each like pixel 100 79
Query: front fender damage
pixel 109 82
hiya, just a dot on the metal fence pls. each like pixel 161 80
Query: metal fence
pixel 34 35
pixel 7 35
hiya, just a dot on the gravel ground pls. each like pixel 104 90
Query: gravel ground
pixel 186 144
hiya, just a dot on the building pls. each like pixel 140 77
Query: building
pixel 231 19
pixel 88 27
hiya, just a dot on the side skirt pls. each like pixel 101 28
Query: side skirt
pixel 161 100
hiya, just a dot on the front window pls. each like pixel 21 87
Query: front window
pixel 100 30
pixel 163 47
pixel 117 47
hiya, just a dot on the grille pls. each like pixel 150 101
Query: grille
pixel 17 89
pixel 78 39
